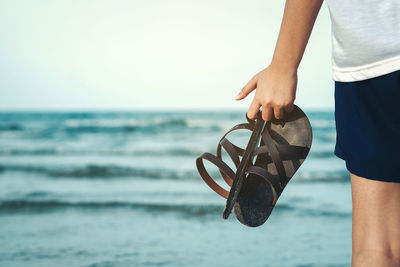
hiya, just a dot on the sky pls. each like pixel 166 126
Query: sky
pixel 154 54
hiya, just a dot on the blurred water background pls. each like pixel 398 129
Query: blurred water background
pixel 122 189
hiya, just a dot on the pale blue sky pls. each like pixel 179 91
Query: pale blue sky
pixel 120 54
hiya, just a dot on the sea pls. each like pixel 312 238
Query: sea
pixel 121 188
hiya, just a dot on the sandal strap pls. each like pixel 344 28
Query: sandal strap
pixel 287 152
pixel 273 152
pixel 222 166
pixel 230 149
pixel 226 172
pixel 233 151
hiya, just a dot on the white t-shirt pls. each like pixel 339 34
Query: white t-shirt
pixel 365 38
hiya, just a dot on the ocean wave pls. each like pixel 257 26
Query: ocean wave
pixel 307 212
pixel 322 123
pixel 101 171
pixel 20 152
pixel 11 206
pixel 188 210
pixel 92 126
pixel 324 154
pixel 327 137
pixel 102 152
pixel 114 171
pixel 337 176
pixel 148 126
pixel 12 127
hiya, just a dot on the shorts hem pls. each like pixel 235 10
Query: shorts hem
pixel 370 175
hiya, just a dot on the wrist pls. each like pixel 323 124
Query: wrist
pixel 284 66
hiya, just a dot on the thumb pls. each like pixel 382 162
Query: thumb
pixel 250 86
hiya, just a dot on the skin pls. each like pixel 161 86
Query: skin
pixel 376 222
pixel 376 213
pixel 276 85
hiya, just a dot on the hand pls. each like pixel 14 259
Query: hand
pixel 275 92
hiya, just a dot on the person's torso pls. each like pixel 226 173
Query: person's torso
pixel 365 38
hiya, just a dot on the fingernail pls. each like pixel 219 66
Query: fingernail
pixel 238 95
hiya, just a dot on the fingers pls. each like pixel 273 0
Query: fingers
pixel 267 113
pixel 253 109
pixel 278 112
pixel 268 110
pixel 250 86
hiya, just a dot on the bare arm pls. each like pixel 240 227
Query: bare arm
pixel 276 85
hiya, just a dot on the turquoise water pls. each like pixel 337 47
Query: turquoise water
pixel 122 189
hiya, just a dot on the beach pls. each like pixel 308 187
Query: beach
pixel 122 189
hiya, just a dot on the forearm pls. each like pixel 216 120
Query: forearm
pixel 297 23
pixel 276 85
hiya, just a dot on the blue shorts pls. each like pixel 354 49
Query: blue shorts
pixel 367 116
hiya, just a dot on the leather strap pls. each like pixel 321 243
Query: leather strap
pixel 222 166
pixel 273 152
pixel 287 152
pixel 233 151
pixel 226 172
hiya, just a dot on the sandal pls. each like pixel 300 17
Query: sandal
pixel 255 188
